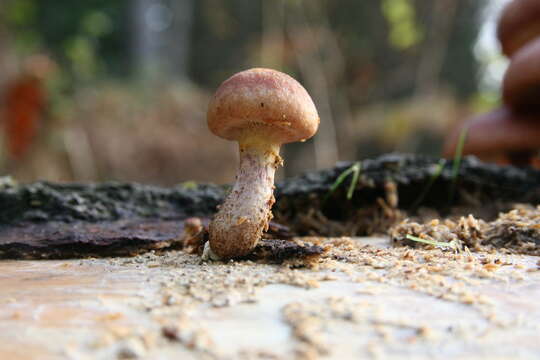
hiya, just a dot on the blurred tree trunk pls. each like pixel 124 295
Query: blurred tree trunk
pixel 307 51
pixel 334 63
pixel 162 38
pixel 272 37
pixel 435 46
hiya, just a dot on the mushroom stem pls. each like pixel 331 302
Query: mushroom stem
pixel 245 213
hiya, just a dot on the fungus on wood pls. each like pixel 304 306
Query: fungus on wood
pixel 510 134
pixel 521 83
pixel 501 134
pixel 261 109
pixel 519 24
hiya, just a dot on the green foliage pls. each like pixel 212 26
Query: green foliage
pixel 404 29
pixel 457 161
pixel 189 185
pixel 93 38
pixel 19 15
pixel 78 34
pixel 20 12
pixel 97 24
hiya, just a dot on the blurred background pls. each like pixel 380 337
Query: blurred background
pixel 117 90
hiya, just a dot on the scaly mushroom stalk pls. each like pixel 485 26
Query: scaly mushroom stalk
pixel 245 213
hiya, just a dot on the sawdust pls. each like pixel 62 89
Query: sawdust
pixel 186 282
pixel 443 274
pixel 437 273
pixel 513 232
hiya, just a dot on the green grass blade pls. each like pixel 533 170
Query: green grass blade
pixel 457 161
pixel 355 170
pixel 354 180
pixel 430 242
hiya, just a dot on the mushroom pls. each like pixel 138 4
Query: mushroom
pixel 501 135
pixel 261 109
pixel 521 83
pixel 512 133
pixel 519 23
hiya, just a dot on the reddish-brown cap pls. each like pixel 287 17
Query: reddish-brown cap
pixel 265 103
pixel 519 23
pixel 499 131
pixel 521 83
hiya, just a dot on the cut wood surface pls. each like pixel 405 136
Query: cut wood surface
pixel 363 299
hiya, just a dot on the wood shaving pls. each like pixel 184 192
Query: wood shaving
pixel 514 232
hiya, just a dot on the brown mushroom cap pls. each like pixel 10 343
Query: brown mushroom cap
pixel 521 83
pixel 519 23
pixel 262 102
pixel 499 131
